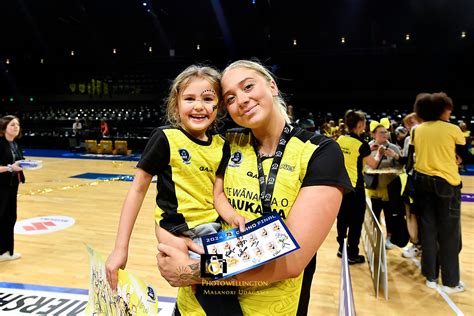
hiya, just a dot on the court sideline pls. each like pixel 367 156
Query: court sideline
pixel 60 258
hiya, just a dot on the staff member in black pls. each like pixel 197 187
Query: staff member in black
pixel 351 213
pixel 11 175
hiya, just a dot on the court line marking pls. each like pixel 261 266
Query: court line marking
pixel 445 296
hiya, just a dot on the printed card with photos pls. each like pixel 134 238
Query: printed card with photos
pixel 231 252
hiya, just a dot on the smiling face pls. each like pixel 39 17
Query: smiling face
pixel 381 135
pixel 197 107
pixel 249 97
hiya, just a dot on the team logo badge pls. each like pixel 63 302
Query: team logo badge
pixel 185 155
pixel 236 159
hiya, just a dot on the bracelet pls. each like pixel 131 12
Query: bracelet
pixel 9 168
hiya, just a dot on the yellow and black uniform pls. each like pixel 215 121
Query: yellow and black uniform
pixel 186 169
pixel 351 213
pixel 355 149
pixel 309 159
pixel 439 160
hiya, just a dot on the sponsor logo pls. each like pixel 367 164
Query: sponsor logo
pixel 287 167
pixel 206 169
pixel 43 225
pixel 27 299
pixel 252 175
pixel 236 159
pixel 185 155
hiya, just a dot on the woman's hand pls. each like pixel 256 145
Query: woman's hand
pixel 391 153
pixel 16 166
pixel 116 260
pixel 176 266
pixel 191 245
pixel 374 147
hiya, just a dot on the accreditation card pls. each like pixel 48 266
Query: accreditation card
pixel 231 252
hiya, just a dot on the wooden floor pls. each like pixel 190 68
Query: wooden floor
pixel 60 258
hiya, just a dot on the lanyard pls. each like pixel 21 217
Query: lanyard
pixel 266 189
pixel 14 151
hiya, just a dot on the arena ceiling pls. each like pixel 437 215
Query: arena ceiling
pixel 33 28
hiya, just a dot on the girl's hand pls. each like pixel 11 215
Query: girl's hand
pixel 116 260
pixel 239 221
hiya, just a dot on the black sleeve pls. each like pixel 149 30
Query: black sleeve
pixel 364 150
pixel 225 159
pixel 461 151
pixel 156 155
pixel 326 166
pixel 410 163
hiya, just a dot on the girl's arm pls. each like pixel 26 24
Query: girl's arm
pixel 310 220
pixel 131 206
pixel 223 207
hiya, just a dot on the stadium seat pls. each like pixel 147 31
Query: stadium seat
pixel 105 147
pixel 91 146
pixel 121 148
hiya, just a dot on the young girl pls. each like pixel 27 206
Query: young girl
pixel 186 157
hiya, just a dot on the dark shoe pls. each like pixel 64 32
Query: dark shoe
pixel 357 259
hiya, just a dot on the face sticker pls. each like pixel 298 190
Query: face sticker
pixel 211 91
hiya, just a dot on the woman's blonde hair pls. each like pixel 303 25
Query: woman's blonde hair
pixel 267 75
pixel 182 81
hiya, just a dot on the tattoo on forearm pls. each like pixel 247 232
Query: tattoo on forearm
pixel 190 273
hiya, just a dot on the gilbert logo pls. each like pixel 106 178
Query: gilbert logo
pixel 43 225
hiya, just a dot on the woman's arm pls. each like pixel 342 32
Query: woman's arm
pixel 308 223
pixel 182 243
pixel 133 202
pixel 374 162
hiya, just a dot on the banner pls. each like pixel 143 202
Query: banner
pixel 134 297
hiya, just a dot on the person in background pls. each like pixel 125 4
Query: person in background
pixel 410 121
pixel 391 154
pixel 104 128
pixel 76 127
pixel 469 141
pixel 400 135
pixel 437 182
pixel 11 175
pixel 357 153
